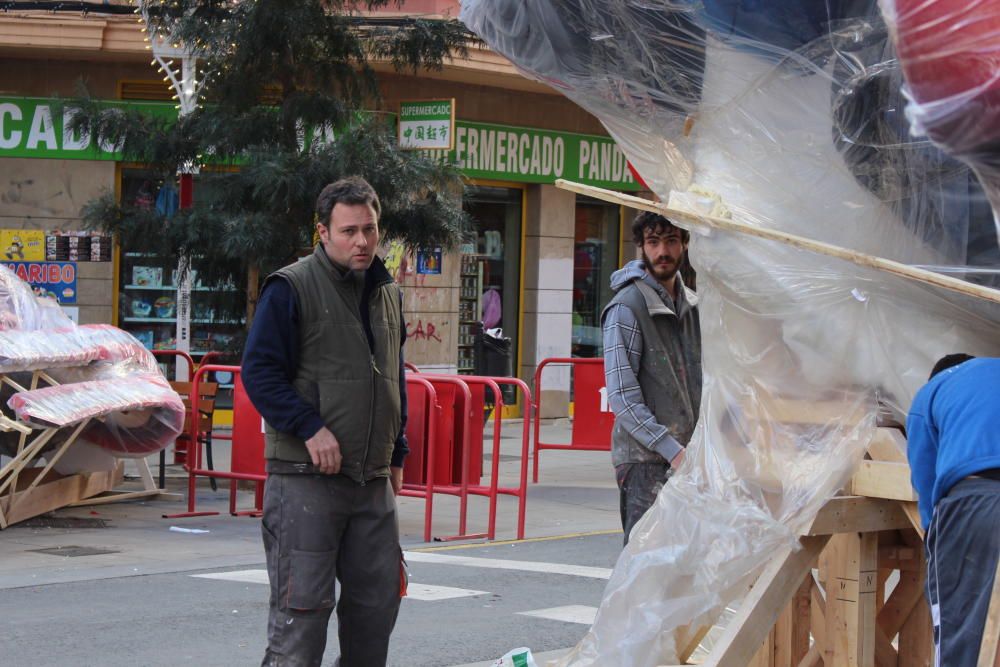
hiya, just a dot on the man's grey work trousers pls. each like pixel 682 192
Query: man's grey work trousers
pixel 638 486
pixel 319 529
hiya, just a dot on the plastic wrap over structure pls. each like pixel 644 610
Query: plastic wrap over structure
pixel 788 116
pixel 950 54
pixel 60 374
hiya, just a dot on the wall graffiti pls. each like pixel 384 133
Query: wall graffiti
pixel 422 331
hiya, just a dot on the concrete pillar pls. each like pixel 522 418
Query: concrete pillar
pixel 548 291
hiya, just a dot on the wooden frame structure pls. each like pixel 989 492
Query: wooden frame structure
pixel 27 491
pixel 825 604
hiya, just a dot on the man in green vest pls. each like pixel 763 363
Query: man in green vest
pixel 324 366
pixel 652 365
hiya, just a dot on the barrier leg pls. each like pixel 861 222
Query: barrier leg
pixel 491 531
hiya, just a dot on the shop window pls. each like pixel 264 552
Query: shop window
pixel 150 291
pixel 490 289
pixel 595 258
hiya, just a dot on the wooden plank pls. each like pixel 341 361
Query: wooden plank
pixel 765 654
pixel 888 445
pixel 850 601
pixel 900 604
pixel 690 643
pixel 988 649
pixel 60 492
pixel 912 513
pixel 916 647
pixel 112 496
pixel 817 615
pixel 861 259
pixel 858 514
pixel 791 633
pixel 814 658
pixel 880 479
pixel 885 652
pixel 777 585
pixel 781 636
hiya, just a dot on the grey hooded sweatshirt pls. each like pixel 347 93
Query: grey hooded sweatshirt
pixel 652 366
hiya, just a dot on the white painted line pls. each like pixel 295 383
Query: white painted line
pixel 245 576
pixel 505 564
pixel 574 613
pixel 415 591
pixel 429 593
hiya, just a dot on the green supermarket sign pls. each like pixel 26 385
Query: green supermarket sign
pixel 34 128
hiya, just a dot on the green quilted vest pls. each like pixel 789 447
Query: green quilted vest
pixel 355 390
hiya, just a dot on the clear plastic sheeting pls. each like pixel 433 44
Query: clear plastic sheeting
pixel 22 350
pixel 103 375
pixel 139 415
pixel 786 116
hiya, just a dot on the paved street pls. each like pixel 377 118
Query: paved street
pixel 122 588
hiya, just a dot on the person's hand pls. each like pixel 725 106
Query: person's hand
pixel 325 451
pixel 676 462
pixel 396 477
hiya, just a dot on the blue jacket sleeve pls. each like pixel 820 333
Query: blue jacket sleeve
pixel 401 448
pixel 270 360
pixel 922 450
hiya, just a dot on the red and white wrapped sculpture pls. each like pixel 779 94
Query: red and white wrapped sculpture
pixel 81 396
pixel 949 51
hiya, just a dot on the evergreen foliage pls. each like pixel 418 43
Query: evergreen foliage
pixel 284 82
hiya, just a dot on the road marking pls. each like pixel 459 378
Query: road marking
pixel 415 591
pixel 505 564
pixel 429 593
pixel 245 576
pixel 574 613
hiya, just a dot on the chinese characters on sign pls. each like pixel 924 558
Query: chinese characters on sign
pixel 427 125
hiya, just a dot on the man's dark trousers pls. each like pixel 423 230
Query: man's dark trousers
pixel 319 529
pixel 638 486
pixel 963 543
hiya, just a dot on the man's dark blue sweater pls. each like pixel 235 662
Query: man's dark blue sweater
pixel 271 360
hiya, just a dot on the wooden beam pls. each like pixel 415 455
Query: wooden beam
pixel 791 634
pixel 690 645
pixel 885 652
pixel 916 648
pixel 888 445
pixel 904 598
pixel 814 658
pixel 881 479
pixel 988 649
pixel 777 585
pixel 60 492
pixel 850 600
pixel 858 514
pixel 860 259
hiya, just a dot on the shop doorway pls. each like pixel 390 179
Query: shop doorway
pixel 490 288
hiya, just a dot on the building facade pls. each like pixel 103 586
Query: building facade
pixel 537 267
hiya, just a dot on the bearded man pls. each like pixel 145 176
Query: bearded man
pixel 652 365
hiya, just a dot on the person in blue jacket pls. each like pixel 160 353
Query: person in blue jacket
pixel 953 445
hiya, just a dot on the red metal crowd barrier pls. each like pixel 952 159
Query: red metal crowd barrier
pixel 451 461
pixel 592 418
pixel 178 354
pixel 421 428
pixel 247 448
